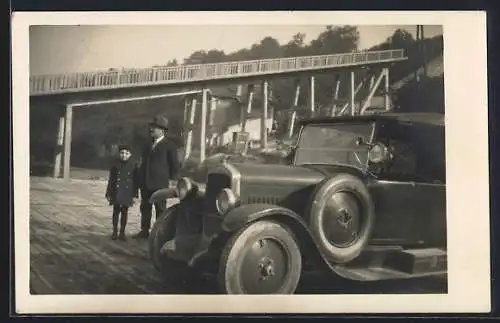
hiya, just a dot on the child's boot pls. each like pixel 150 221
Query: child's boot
pixel 122 236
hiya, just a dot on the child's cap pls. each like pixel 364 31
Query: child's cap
pixel 124 147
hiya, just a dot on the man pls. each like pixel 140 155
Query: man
pixel 159 165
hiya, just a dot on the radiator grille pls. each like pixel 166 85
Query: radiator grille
pixel 263 199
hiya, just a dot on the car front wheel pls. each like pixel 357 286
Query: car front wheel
pixel 261 258
pixel 163 230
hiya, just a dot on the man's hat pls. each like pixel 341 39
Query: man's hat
pixel 160 121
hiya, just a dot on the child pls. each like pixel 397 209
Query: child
pixel 122 189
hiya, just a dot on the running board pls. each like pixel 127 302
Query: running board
pixel 387 263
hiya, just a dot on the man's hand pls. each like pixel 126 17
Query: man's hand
pixel 134 201
pixel 172 183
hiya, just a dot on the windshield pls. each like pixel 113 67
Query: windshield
pixel 334 144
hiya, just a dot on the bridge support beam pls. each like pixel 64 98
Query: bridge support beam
pixel 189 127
pixel 211 120
pixel 353 94
pixel 246 114
pixel 186 112
pixel 263 119
pixel 373 89
pixel 203 125
pixel 312 96
pixel 295 103
pixel 386 89
pixel 353 97
pixel 239 95
pixel 59 145
pixel 297 93
pixel 68 125
pixel 336 95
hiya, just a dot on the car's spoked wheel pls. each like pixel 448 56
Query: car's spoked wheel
pixel 262 258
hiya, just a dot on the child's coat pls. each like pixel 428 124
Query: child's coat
pixel 122 183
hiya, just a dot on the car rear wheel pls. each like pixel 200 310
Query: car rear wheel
pixel 341 217
pixel 261 258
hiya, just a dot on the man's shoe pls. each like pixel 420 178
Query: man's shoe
pixel 114 236
pixel 122 236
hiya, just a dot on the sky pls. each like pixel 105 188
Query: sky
pixel 67 49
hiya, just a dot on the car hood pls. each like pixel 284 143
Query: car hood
pixel 268 174
pixel 198 172
pixel 285 185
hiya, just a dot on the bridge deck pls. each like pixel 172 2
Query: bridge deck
pixel 71 252
pixel 80 82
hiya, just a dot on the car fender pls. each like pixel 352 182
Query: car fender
pixel 245 214
pixel 163 194
pixel 242 215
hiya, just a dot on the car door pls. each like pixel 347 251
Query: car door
pixel 409 212
pixel 410 202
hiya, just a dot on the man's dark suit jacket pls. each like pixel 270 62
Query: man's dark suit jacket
pixel 159 165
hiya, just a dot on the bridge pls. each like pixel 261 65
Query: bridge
pixel 108 80
pixel 111 86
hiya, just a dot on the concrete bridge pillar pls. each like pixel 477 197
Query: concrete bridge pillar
pixel 59 144
pixel 263 122
pixel 245 114
pixel 386 89
pixel 68 126
pixel 203 125
pixel 312 85
pixel 353 94
pixel 63 143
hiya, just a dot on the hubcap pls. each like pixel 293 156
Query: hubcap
pixel 342 219
pixel 265 267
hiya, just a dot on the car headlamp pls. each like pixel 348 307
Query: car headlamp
pixel 379 153
pixel 225 201
pixel 184 186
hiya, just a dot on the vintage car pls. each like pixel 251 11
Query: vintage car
pixel 363 197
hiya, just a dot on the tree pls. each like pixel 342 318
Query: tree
pixel 401 39
pixel 269 48
pixel 204 57
pixel 214 56
pixel 333 40
pixel 172 63
pixel 197 57
pixel 295 47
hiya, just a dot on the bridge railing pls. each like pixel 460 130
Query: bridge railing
pixel 47 84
